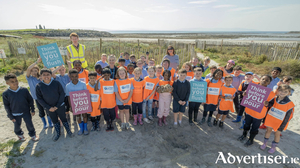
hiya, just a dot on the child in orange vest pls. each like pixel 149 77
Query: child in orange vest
pixel 227 95
pixel 149 90
pixel 188 67
pixel 155 104
pixel 228 69
pixel 98 70
pixel 254 118
pixel 137 96
pixel 123 89
pixel 95 100
pixel 164 99
pixel 82 73
pixel 278 117
pixel 166 66
pixel 108 98
pixel 214 85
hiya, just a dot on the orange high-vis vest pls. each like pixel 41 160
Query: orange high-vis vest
pixel 124 89
pixel 227 104
pixel 107 94
pixel 189 76
pixel 277 114
pixel 213 91
pixel 160 83
pixel 149 86
pixel 98 76
pixel 224 74
pixel 262 114
pixel 95 100
pixel 84 76
pixel 172 73
pixel 137 95
pixel 241 85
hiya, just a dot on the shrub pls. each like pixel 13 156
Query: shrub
pixel 212 50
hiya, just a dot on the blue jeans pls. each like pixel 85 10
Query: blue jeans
pixel 149 103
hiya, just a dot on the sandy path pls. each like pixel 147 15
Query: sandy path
pixel 148 145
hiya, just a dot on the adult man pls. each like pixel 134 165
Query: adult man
pixel 76 51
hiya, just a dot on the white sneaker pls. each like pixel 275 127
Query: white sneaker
pixel 123 126
pixel 146 120
pixel 127 126
pixel 35 138
pixel 21 138
pixel 150 118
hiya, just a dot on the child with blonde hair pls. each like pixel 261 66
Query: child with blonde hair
pixel 190 72
pixel 137 96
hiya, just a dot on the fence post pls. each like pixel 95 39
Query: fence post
pixel 221 45
pixel 100 45
pixel 204 45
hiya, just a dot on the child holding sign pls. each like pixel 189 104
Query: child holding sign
pixel 194 106
pixel 277 119
pixel 96 103
pixel 76 85
pixel 164 99
pixel 33 78
pixel 137 96
pixel 227 95
pixel 149 90
pixel 18 104
pixel 82 73
pixel 190 74
pixel 108 102
pixel 51 96
pixel 123 89
pixel 214 85
pixel 253 118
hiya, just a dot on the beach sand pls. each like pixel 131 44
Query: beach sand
pixel 148 145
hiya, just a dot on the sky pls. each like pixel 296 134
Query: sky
pixel 160 15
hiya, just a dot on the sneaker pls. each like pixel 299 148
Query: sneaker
pixel 202 121
pixel 123 126
pixel 150 118
pixel 146 120
pixel 191 124
pixel 80 132
pixel 127 125
pixel 21 138
pixel 179 124
pixel 215 122
pixel 221 124
pixel 35 138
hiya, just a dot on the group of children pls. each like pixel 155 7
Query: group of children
pixel 141 89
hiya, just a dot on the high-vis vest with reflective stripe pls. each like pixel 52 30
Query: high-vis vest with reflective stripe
pixel 108 96
pixel 84 76
pixel 149 86
pixel 124 89
pixel 277 113
pixel 189 76
pixel 77 55
pixel 137 95
pixel 262 114
pixel 213 91
pixel 95 101
pixel 227 104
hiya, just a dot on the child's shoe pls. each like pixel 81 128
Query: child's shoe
pixel 146 120
pixel 80 132
pixel 150 118
pixel 160 122
pixel 262 126
pixel 108 127
pixel 50 122
pixel 202 121
pixel 85 131
pixel 93 127
pixel 221 123
pixel 164 120
pixel 215 122
pixel 111 127
pixel 21 138
pixel 123 126
pixel 264 145
pixel 127 126
pixel 209 122
pixel 35 138
pixel 273 148
pixel 98 128
pixel 135 119
pixel 140 116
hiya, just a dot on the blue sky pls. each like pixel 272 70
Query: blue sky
pixel 166 15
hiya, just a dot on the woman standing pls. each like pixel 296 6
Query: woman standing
pixel 174 59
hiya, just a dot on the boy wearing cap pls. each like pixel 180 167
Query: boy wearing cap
pixel 241 90
pixel 237 79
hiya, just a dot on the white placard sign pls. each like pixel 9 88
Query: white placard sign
pixel 63 50
pixel 21 51
pixel 2 54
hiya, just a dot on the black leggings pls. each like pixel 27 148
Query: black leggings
pixel 109 114
pixel 193 108
pixel 93 119
pixel 210 113
pixel 41 109
pixel 60 112
pixel 252 124
pixel 28 122
pixel 137 106
pixel 241 110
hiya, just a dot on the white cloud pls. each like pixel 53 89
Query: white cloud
pixel 202 2
pixel 224 6
pixel 159 9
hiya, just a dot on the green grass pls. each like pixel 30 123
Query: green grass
pixel 39 153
